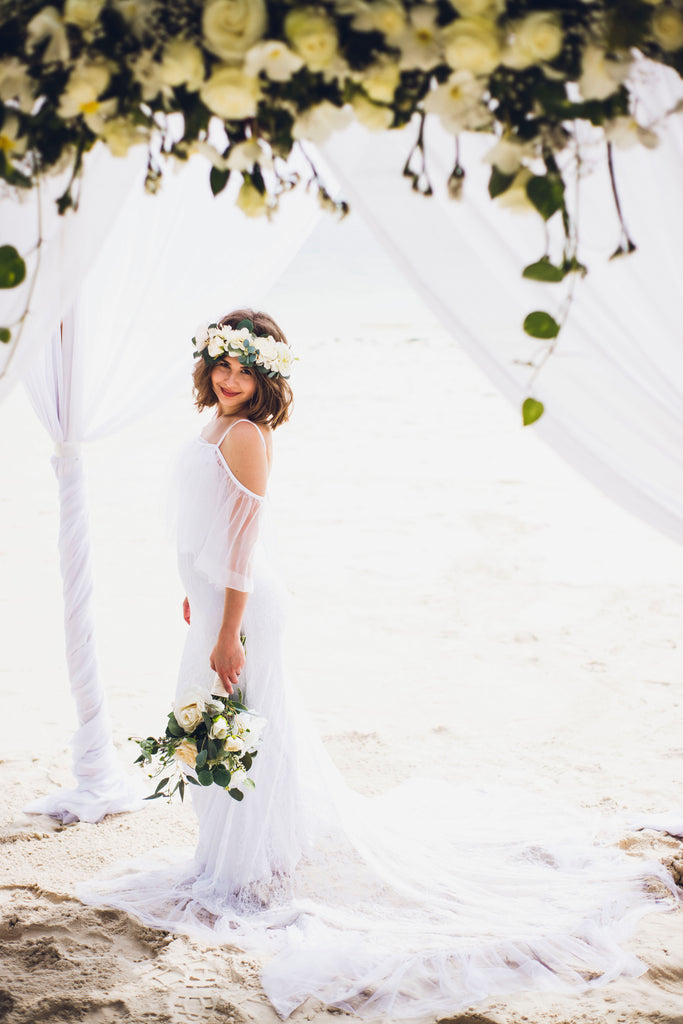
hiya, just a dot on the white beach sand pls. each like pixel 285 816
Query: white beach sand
pixel 437 554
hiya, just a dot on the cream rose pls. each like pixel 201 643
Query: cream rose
pixel 385 16
pixel 538 37
pixel 231 27
pixel 83 13
pixel 473 44
pixel 233 745
pixel 484 8
pixel 381 80
pixel 667 28
pixel 274 58
pixel 313 35
pixel 48 24
pixel 120 135
pixel 457 102
pixel 374 117
pixel 182 63
pixel 231 94
pixel 188 710
pixel 186 752
pixel 251 202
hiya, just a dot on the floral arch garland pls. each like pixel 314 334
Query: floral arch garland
pixel 246 82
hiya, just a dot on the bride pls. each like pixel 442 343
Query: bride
pixel 417 903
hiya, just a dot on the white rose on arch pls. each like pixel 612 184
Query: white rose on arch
pixel 537 37
pixel 231 94
pixel 473 44
pixel 274 58
pixel 182 63
pixel 313 36
pixel 601 75
pixel 231 27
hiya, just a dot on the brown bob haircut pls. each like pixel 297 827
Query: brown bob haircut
pixel 271 403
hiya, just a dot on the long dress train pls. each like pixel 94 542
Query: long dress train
pixel 416 903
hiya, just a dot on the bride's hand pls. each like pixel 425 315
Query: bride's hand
pixel 227 660
pixel 186 611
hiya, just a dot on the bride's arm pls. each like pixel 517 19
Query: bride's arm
pixel 244 453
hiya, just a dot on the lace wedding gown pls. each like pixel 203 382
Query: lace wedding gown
pixel 417 903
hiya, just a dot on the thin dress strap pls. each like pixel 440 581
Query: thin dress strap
pixel 260 434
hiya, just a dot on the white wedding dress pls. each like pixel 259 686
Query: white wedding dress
pixel 417 903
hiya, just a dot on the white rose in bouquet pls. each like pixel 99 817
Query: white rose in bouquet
pixel 538 37
pixel 187 753
pixel 234 745
pixel 274 58
pixel 231 94
pixel 219 729
pixel 231 27
pixel 188 710
pixel 182 63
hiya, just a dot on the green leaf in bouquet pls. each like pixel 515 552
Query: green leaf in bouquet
pixel 236 794
pixel 173 729
pixel 245 760
pixel 191 779
pixel 532 410
pixel 206 719
pixel 161 785
pixel 249 784
pixel 201 759
pixel 221 776
pixel 181 789
pixel 153 796
pixel 237 705
pixel 205 777
pixel 212 749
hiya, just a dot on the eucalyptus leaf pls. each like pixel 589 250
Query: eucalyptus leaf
pixel 201 759
pixel 532 410
pixel 12 267
pixel 218 179
pixel 236 794
pixel 221 776
pixel 499 182
pixel 162 784
pixel 541 325
pixel 5 334
pixel 205 777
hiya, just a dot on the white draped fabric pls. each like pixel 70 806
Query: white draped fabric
pixel 141 271
pixel 613 390
pixel 120 345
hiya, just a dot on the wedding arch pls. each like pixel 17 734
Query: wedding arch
pixel 456 103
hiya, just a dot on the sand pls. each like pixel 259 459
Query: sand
pixel 433 550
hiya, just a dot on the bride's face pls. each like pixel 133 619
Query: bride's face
pixel 233 384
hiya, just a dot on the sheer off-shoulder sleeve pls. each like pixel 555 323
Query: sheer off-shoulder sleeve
pixel 218 519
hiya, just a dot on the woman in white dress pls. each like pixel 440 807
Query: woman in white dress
pixel 418 903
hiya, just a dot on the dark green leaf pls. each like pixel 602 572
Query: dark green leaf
pixel 246 761
pixel 12 268
pixel 221 776
pixel 173 729
pixel 541 325
pixel 544 270
pixel 154 796
pixel 212 749
pixel 499 182
pixel 191 779
pixel 218 180
pixel 161 785
pixel 201 758
pixel 205 777
pixel 236 794
pixel 531 411
pixel 546 193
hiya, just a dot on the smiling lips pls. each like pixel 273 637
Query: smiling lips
pixel 229 394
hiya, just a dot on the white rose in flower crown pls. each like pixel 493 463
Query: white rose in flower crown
pixel 313 35
pixel 201 336
pixel 188 709
pixel 182 63
pixel 538 37
pixel 267 352
pixel 250 201
pixel 215 346
pixel 667 28
pixel 274 58
pixel 48 24
pixel 231 27
pixel 231 94
pixel 84 13
pixel 474 44
pixel 219 729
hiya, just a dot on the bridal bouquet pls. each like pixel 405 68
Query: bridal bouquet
pixel 208 740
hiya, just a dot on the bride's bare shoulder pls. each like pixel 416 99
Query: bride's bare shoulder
pixel 246 449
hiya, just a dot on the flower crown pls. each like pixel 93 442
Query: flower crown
pixel 263 352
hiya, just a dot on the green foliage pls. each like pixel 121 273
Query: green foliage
pixel 12 267
pixel 544 270
pixel 531 411
pixel 5 335
pixel 546 192
pixel 541 325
